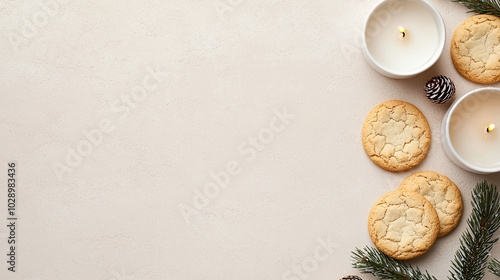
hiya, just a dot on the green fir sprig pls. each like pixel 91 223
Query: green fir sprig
pixel 470 259
pixel 477 240
pixel 371 260
pixel 489 7
pixel 494 267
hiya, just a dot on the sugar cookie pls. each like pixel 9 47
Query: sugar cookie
pixel 442 193
pixel 396 135
pixel 403 224
pixel 475 49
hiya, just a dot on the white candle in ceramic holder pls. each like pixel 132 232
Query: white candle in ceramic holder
pixel 470 131
pixel 403 38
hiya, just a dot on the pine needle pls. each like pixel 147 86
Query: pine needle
pixel 476 241
pixel 494 267
pixel 489 7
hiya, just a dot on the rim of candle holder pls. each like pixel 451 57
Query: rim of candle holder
pixel 391 74
pixel 447 140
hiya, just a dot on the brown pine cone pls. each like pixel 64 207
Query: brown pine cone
pixel 440 89
pixel 351 277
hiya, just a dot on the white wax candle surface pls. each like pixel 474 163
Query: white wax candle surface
pixel 468 130
pixel 383 37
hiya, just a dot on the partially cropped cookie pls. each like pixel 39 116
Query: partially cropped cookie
pixel 396 135
pixel 403 224
pixel 475 49
pixel 442 193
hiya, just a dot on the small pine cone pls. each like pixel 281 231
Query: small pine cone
pixel 351 277
pixel 440 89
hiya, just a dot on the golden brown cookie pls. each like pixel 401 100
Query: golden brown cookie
pixel 442 193
pixel 396 135
pixel 403 224
pixel 475 49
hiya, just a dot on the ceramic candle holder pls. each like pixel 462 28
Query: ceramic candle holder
pixel 464 131
pixel 403 38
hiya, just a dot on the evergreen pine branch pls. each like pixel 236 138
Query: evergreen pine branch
pixel 476 242
pixel 495 267
pixel 490 7
pixel 373 261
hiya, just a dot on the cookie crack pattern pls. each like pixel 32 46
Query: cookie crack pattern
pixel 396 135
pixel 403 224
pixel 442 193
pixel 475 49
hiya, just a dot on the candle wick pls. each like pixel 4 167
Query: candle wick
pixel 490 128
pixel 402 32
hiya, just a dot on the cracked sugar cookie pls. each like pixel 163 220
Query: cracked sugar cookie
pixel 475 49
pixel 442 193
pixel 403 224
pixel 396 135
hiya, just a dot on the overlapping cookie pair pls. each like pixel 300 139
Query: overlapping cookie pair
pixel 405 223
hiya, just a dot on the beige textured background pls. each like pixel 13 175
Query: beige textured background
pixel 68 69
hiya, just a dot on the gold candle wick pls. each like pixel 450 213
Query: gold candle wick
pixel 490 128
pixel 402 30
